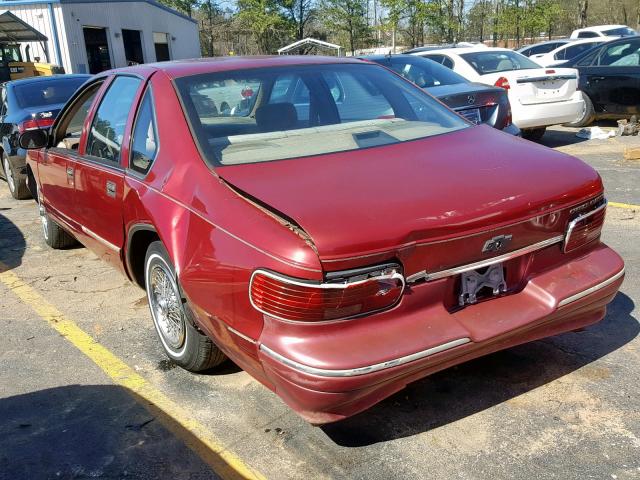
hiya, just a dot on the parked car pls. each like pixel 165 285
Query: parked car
pixel 607 32
pixel 539 96
pixel 476 102
pixel 543 47
pixel 29 103
pixel 566 52
pixel 343 236
pixel 609 80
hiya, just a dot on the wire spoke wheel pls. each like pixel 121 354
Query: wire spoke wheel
pixel 166 306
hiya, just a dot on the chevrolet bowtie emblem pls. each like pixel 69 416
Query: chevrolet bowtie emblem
pixel 497 243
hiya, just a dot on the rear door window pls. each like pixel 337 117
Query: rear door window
pixel 105 137
pixel 144 141
pixel 626 54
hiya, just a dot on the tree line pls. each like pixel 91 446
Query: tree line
pixel 248 27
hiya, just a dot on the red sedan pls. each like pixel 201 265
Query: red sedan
pixel 322 222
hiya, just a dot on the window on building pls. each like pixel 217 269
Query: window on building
pixel 161 44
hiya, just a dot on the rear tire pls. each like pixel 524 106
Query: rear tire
pixel 181 340
pixel 17 181
pixel 588 114
pixel 534 134
pixel 54 235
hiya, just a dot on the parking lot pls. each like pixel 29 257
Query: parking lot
pixel 86 391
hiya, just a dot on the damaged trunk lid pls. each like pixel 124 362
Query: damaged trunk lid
pixel 432 203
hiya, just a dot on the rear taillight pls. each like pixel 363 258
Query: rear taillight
pixel 503 82
pixel 586 225
pixel 509 119
pixel 291 299
pixel 34 123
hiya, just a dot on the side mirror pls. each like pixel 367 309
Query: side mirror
pixel 33 139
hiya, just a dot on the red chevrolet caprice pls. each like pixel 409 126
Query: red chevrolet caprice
pixel 327 225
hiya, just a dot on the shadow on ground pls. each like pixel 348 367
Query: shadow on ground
pixel 474 386
pixel 559 136
pixel 12 243
pixel 94 431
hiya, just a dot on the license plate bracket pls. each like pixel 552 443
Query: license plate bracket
pixel 475 283
pixel 471 114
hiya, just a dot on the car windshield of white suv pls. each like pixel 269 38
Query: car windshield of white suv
pixel 260 115
pixel 620 32
pixel 486 62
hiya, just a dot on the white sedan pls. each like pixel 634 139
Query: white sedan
pixel 566 52
pixel 539 97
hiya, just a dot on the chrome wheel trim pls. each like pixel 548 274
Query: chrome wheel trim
pixel 9 174
pixel 166 305
pixel 44 220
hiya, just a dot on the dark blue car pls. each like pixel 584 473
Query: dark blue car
pixel 476 102
pixel 29 103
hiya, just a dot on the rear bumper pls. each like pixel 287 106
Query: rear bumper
pixel 546 114
pixel 324 387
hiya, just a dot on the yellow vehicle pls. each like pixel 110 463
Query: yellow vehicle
pixel 11 59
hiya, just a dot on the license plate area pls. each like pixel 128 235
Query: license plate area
pixel 481 284
pixel 471 114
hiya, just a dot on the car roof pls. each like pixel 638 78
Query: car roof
pixel 597 28
pixel 194 66
pixel 28 80
pixel 461 50
pixel 547 42
pixel 400 56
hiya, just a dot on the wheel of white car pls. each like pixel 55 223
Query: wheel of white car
pixel 588 113
pixel 181 340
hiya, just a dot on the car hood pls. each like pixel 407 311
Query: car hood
pixel 363 202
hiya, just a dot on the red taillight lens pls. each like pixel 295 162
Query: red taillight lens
pixel 289 299
pixel 503 82
pixel 33 123
pixel 586 227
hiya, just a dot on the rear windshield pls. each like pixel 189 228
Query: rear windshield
pixel 269 114
pixel 620 32
pixel 501 61
pixel 426 73
pixel 44 93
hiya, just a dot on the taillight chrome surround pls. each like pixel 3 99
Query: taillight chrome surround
pixel 600 205
pixel 355 280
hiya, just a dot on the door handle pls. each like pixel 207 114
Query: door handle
pixel 111 189
pixel 597 79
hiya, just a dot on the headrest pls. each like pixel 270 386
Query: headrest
pixel 276 116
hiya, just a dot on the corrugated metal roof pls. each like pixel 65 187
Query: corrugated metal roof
pixel 12 29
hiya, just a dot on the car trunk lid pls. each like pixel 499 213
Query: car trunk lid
pixel 539 85
pixel 474 101
pixel 365 206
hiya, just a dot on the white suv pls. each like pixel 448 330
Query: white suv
pixel 607 31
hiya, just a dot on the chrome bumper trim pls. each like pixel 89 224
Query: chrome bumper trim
pixel 589 291
pixel 352 372
pixel 241 335
pixel 483 263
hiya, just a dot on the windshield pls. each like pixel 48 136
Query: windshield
pixel 269 114
pixel 45 93
pixel 620 32
pixel 426 73
pixel 485 62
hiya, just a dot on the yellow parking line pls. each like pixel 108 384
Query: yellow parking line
pixel 628 206
pixel 222 461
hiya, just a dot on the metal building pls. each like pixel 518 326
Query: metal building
pixel 89 37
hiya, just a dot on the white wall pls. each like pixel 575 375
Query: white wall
pixel 133 16
pixel 184 41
